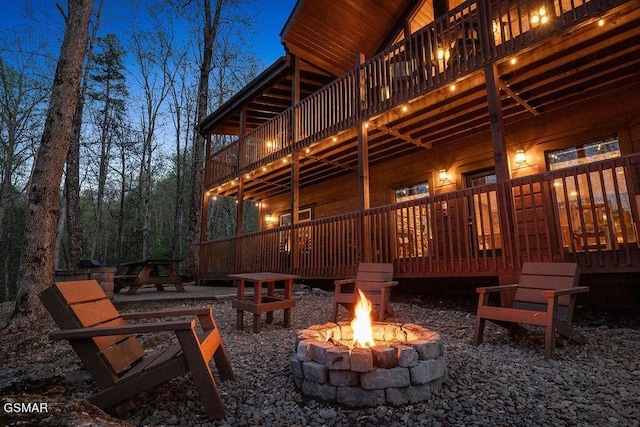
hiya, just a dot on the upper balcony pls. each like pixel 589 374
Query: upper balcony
pixel 429 88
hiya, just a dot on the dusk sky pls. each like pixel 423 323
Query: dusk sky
pixel 35 17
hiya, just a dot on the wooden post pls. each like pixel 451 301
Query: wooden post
pixel 363 179
pixel 440 7
pixel 363 167
pixel 501 164
pixel 295 164
pixel 205 215
pixel 205 200
pixel 486 36
pixel 239 215
pixel 496 123
pixel 237 260
pixel 295 209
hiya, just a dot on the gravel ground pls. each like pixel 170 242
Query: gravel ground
pixel 500 383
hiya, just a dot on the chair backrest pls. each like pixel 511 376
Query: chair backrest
pixel 81 304
pixel 539 276
pixel 370 275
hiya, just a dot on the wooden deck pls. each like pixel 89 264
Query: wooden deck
pixel 445 235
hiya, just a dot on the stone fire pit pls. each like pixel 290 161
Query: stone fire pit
pixel 405 366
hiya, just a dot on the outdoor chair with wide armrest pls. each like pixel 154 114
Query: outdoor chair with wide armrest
pixel 374 280
pixel 544 297
pixel 104 341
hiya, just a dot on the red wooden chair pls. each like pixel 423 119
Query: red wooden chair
pixel 104 342
pixel 374 280
pixel 544 297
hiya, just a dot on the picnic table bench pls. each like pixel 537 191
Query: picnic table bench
pixel 156 272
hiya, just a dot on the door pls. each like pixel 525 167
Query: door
pixel 594 208
pixel 483 216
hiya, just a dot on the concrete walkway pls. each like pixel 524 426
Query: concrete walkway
pixel 150 293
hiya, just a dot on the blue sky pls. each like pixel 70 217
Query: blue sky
pixel 273 17
pixel 35 17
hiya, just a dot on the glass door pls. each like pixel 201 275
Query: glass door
pixel 413 226
pixel 484 219
pixel 594 208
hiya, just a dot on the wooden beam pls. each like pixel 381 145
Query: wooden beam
pixel 565 45
pixel 271 183
pixel 502 85
pixel 329 162
pixel 398 134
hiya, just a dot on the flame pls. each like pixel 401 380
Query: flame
pixel 361 323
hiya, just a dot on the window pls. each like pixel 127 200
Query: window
pixel 608 148
pixel 304 215
pixel 412 221
pixel 485 228
pixel 593 208
pixel 412 192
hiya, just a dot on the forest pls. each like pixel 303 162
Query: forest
pixel 131 187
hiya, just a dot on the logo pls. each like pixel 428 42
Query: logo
pixel 26 408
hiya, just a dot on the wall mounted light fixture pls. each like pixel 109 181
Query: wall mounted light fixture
pixel 442 174
pixel 520 157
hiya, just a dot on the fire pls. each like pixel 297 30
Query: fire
pixel 361 323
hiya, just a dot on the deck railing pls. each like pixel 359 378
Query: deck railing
pixel 587 213
pixel 468 37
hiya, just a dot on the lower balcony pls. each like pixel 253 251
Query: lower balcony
pixel 586 214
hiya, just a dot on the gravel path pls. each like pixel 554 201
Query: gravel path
pixel 500 383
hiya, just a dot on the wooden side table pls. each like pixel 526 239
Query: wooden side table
pixel 258 303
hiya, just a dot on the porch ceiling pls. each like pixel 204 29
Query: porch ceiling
pixel 557 73
pixel 330 33
pixel 268 95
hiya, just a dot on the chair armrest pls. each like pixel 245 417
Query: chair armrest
pixel 339 283
pixel 204 314
pixel 500 288
pixel 389 284
pixel 101 331
pixel 170 313
pixel 344 282
pixel 560 292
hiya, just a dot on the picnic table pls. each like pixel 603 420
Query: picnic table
pixel 259 303
pixel 156 272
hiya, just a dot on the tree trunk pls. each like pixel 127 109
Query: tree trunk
pixel 62 219
pixel 43 194
pixel 72 179
pixel 123 194
pixel 195 213
pixel 177 213
pixel 105 150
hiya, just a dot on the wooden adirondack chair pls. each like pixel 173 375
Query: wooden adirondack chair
pixel 105 343
pixel 374 280
pixel 545 297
